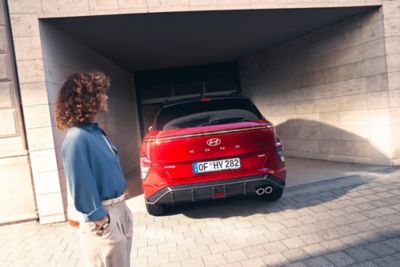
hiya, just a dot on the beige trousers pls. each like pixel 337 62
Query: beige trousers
pixel 113 247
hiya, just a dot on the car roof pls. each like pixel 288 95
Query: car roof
pixel 169 103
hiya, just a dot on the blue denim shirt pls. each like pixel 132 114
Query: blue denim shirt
pixel 92 168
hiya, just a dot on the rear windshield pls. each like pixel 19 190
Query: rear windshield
pixel 215 111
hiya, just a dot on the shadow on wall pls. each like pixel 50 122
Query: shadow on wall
pixel 316 140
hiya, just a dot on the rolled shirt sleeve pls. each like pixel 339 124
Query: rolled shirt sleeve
pixel 81 181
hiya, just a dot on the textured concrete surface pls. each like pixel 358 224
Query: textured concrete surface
pixel 350 221
pixel 326 91
pixel 14 162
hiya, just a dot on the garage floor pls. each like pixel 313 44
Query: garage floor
pixel 299 171
pixel 303 171
pixel 354 221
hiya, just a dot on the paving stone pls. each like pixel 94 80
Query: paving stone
pixel 387 261
pixel 365 264
pixel 296 254
pixel 257 240
pixel 333 233
pixel 340 259
pixel 315 250
pixel 200 251
pixel 161 259
pixel 220 247
pixel 370 213
pixel 175 264
pixel 238 243
pixel 293 242
pixel 235 264
pixel 147 251
pixel 186 244
pixel 293 232
pixel 395 218
pixel 318 262
pixel 379 249
pixel 291 223
pixel 275 259
pixel 254 252
pixel 169 247
pixel 394 243
pixel 214 260
pixel 179 256
pixel 311 238
pixel 360 253
pixel 334 245
pixel 274 247
pixel 235 256
pixel 397 256
pixel 372 236
pixel 386 210
pixel 296 264
pixel 256 262
pixel 193 262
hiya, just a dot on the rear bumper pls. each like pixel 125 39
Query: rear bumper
pixel 213 190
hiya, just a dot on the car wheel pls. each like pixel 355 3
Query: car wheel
pixel 275 194
pixel 155 209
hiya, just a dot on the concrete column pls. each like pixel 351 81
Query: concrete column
pixel 36 109
pixel 17 201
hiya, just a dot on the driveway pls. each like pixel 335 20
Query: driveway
pixel 349 221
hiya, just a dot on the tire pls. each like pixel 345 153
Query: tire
pixel 155 209
pixel 275 195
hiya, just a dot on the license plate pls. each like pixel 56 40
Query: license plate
pixel 216 165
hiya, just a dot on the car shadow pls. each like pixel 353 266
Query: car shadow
pixel 295 197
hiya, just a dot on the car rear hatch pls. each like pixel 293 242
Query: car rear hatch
pixel 214 152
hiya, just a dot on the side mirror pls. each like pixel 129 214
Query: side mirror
pixel 150 128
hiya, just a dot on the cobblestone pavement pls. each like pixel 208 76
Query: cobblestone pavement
pixel 351 221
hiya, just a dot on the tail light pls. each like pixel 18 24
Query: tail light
pixel 279 149
pixel 145 165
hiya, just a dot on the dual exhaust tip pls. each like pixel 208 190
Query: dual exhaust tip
pixel 264 190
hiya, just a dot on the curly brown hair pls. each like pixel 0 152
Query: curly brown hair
pixel 78 101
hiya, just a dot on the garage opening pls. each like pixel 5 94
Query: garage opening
pixel 308 71
pixel 156 87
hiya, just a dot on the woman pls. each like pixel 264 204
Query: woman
pixel 94 176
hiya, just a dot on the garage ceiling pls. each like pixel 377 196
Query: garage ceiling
pixel 151 41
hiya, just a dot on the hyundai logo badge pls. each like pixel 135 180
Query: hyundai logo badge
pixel 213 142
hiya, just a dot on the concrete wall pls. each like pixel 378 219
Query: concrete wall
pixel 391 12
pixel 64 56
pixel 327 91
pixel 16 191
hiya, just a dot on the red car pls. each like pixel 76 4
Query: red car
pixel 210 148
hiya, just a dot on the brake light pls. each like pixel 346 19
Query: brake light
pixel 145 165
pixel 205 99
pixel 279 149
